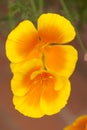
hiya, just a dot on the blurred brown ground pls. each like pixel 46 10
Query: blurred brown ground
pixel 10 119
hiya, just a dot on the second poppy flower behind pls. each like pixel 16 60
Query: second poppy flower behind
pixel 79 124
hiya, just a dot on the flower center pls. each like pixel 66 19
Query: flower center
pixel 45 79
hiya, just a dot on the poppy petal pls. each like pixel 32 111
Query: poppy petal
pixel 29 104
pixel 21 41
pixel 61 59
pixel 54 28
pixel 52 101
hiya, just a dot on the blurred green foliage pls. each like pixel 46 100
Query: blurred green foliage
pixel 78 11
pixel 18 10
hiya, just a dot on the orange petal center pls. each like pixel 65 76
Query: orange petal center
pixel 39 83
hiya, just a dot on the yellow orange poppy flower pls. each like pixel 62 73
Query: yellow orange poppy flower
pixel 26 42
pixel 41 64
pixel 38 92
pixel 79 124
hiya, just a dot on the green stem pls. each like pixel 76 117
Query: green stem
pixel 65 10
pixel 43 62
pixel 10 15
pixel 40 5
pixel 80 42
pixel 71 19
pixel 33 6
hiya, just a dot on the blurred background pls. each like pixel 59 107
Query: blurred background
pixel 11 13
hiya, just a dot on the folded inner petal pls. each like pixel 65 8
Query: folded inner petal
pixel 21 80
pixel 27 91
pixel 21 41
pixel 61 59
pixel 53 28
